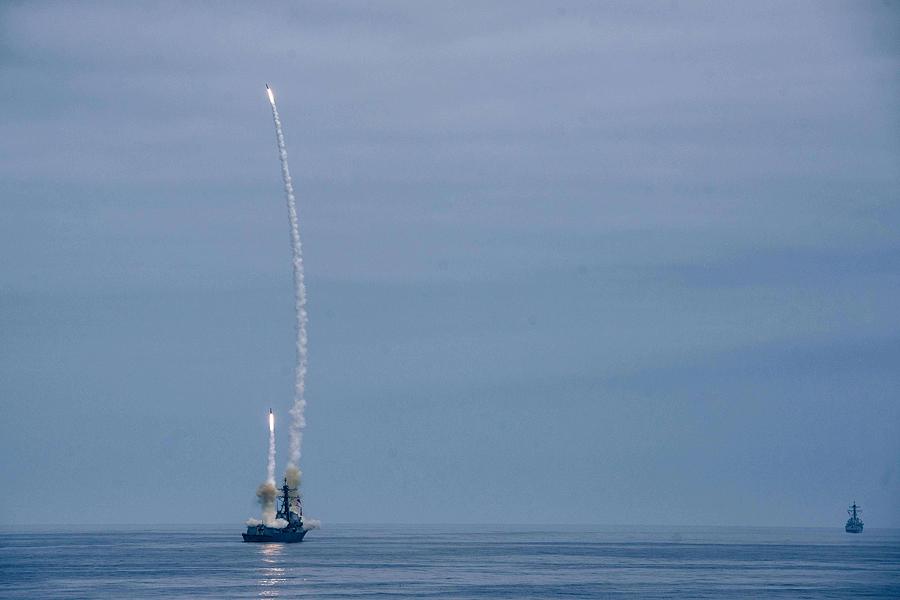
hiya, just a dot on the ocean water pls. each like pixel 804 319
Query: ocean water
pixel 439 561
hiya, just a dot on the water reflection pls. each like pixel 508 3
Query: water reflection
pixel 271 553
pixel 272 576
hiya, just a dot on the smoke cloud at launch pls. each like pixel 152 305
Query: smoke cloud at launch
pixel 266 493
pixel 298 420
pixel 292 474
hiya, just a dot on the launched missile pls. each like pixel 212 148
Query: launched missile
pixel 271 94
pixel 271 421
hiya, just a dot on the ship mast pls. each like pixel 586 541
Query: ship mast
pixel 285 512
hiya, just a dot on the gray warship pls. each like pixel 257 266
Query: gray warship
pixel 291 533
pixel 854 523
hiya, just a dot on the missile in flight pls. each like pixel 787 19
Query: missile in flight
pixel 271 94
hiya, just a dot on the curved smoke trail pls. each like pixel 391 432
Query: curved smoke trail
pixel 298 420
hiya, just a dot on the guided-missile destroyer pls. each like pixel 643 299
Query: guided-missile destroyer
pixel 854 523
pixel 290 533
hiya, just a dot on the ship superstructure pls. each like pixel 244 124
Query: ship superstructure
pixel 854 523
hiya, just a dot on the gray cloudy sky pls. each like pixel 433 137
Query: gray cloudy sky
pixel 600 262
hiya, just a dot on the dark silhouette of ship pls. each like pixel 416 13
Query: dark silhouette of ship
pixel 290 533
pixel 854 523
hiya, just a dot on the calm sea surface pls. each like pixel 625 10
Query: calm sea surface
pixel 347 561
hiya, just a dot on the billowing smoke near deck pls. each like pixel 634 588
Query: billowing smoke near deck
pixel 298 420
pixel 266 493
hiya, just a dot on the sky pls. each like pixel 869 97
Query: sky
pixel 613 263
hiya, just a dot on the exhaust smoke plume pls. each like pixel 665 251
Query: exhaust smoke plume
pixel 298 420
pixel 270 465
pixel 292 474
pixel 266 493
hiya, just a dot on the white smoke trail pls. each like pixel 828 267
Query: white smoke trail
pixel 298 420
pixel 270 465
pixel 266 492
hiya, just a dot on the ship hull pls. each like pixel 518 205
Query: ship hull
pixel 853 528
pixel 279 537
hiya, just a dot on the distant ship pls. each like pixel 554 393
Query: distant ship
pixel 854 523
pixel 291 533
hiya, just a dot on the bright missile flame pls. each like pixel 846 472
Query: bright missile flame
pixel 271 95
pixel 271 422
